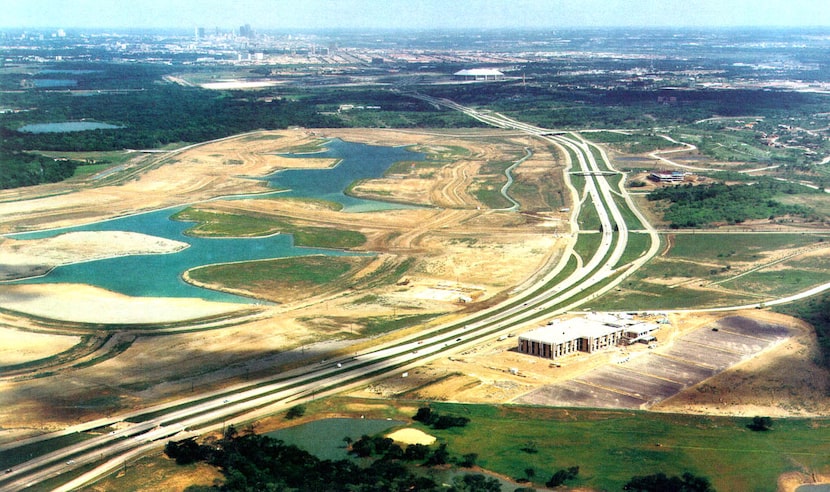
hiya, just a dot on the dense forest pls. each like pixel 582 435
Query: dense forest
pixel 252 462
pixel 154 117
pixel 27 169
pixel 697 206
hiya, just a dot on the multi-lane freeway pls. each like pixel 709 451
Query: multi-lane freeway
pixel 570 283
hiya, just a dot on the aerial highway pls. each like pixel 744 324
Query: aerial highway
pixel 553 293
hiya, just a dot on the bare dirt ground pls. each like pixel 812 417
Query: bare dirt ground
pixel 781 380
pixel 451 255
pixel 23 259
pixel 29 346
pixel 87 304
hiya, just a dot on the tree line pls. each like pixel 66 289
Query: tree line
pixel 27 169
pixel 701 205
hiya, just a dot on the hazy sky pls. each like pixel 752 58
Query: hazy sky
pixel 419 14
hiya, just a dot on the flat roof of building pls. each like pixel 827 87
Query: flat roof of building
pixel 472 72
pixel 568 330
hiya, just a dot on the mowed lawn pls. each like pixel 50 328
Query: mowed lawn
pixel 610 447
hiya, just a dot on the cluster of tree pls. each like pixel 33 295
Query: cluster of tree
pixel 435 420
pixel 816 311
pixel 553 101
pixel 153 117
pixel 760 424
pixel 562 476
pixel 295 412
pixel 384 448
pixel 695 206
pixel 252 462
pixel 659 482
pixel 26 169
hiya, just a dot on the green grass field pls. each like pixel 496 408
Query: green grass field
pixel 279 274
pixel 610 447
pixel 634 143
pixel 704 258
pixel 214 224
pixel 735 247
pixel 488 192
pixel 631 220
pixel 586 245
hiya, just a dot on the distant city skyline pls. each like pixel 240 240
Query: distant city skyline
pixel 413 14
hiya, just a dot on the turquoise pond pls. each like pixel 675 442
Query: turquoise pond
pixel 324 438
pixel 66 127
pixel 160 275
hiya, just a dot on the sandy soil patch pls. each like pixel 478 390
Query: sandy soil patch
pixel 781 381
pixel 29 346
pixel 34 257
pixel 411 436
pixel 789 482
pixel 88 304
pixel 151 475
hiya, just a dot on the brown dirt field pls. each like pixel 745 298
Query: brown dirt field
pixel 23 259
pixel 29 346
pixel 784 380
pixel 455 249
pixel 87 304
pixel 153 474
pixel 789 482
pixel 411 436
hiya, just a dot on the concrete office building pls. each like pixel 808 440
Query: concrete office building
pixel 588 334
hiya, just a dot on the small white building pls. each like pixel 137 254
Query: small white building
pixel 640 332
pixel 668 176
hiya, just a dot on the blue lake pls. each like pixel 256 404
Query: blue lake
pixel 47 83
pixel 66 126
pixel 160 275
pixel 71 72
pixel 356 161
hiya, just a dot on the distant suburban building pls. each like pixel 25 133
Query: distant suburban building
pixel 479 74
pixel 589 334
pixel 668 176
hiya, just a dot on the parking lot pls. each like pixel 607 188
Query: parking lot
pixel 643 381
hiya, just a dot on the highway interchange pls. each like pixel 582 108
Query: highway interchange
pixel 572 282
